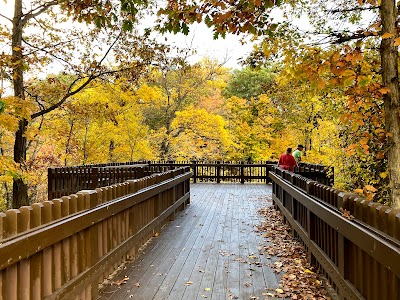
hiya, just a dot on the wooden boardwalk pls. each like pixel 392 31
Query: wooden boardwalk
pixel 211 250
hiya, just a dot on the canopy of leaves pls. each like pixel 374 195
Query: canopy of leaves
pixel 249 83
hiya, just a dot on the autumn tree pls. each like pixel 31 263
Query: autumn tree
pixel 181 85
pixel 249 83
pixel 101 124
pixel 202 135
pixel 40 36
pixel 349 27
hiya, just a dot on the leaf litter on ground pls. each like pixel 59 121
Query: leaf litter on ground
pixel 299 280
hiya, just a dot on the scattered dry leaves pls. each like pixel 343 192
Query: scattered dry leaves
pixel 346 214
pixel 121 281
pixel 299 279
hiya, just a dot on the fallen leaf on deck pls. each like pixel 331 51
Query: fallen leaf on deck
pixel 299 280
pixel 121 281
pixel 308 271
pixel 247 284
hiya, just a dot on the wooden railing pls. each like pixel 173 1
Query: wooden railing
pixel 227 171
pixel 222 171
pixel 63 248
pixel 360 256
pixel 68 180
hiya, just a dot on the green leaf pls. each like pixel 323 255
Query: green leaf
pixel 127 25
pixel 208 21
pixel 185 29
pixel 2 106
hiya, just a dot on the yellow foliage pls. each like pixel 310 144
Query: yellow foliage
pixel 199 134
pixel 150 95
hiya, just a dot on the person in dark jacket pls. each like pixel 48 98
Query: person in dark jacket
pixel 287 161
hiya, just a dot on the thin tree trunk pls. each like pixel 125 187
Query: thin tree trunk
pixel 111 148
pixel 67 146
pixel 20 188
pixel 165 147
pixel 85 155
pixel 390 78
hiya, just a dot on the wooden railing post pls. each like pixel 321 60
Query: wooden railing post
pixel 94 178
pixel 50 183
pixel 194 168
pixel 242 172
pixel 218 171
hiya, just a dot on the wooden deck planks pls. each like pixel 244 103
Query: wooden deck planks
pixel 190 255
pixel 209 251
pixel 169 260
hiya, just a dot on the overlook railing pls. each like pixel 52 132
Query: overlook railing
pixel 67 180
pixel 63 248
pixel 231 171
pixel 358 250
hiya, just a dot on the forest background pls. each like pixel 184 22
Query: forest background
pixel 124 96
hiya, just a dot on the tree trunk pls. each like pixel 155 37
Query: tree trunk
pixel 20 188
pixel 85 154
pixel 67 146
pixel 390 78
pixel 164 150
pixel 165 146
pixel 111 149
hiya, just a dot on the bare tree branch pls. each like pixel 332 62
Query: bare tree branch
pixel 88 79
pixel 341 38
pixel 49 52
pixel 1 15
pixel 109 49
pixel 66 96
pixel 37 11
pixel 335 11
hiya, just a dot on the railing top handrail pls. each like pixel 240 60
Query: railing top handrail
pixel 335 219
pixel 220 162
pixel 179 172
pixel 100 167
pixel 354 203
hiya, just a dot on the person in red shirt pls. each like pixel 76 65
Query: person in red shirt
pixel 287 161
